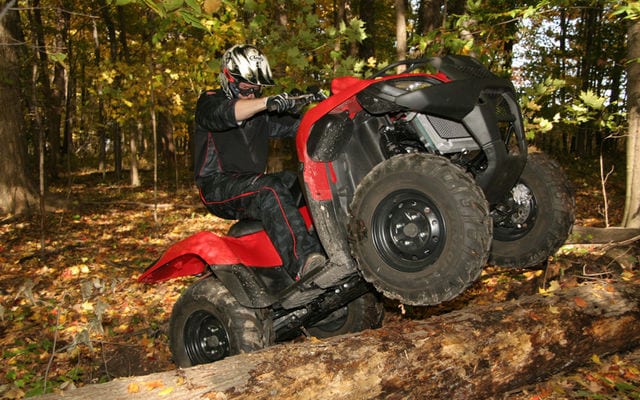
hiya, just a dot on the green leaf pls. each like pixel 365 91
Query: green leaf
pixel 157 8
pixel 630 10
pixel 192 19
pixel 250 5
pixel 627 387
pixel 528 12
pixel 172 5
pixel 193 4
pixel 592 100
pixel 58 58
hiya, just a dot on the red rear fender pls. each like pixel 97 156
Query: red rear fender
pixel 192 255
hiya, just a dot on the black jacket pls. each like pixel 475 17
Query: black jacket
pixel 222 145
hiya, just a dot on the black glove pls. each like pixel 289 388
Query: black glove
pixel 280 103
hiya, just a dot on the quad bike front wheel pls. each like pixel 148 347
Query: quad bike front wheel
pixel 535 218
pixel 208 324
pixel 420 229
pixel 365 312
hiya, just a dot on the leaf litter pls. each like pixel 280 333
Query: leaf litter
pixel 73 313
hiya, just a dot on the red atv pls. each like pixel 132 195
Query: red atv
pixel 412 182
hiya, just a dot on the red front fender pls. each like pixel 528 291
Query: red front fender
pixel 191 256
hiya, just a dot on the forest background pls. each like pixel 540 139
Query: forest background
pixel 97 108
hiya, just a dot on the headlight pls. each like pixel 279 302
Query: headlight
pixel 410 85
pixel 380 98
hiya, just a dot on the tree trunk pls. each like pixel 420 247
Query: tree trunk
pixel 102 135
pixel 49 102
pixel 133 164
pixel 401 31
pixel 166 139
pixel 631 217
pixel 429 16
pixel 340 13
pixel 367 13
pixel 17 193
pixel 472 353
pixel 117 148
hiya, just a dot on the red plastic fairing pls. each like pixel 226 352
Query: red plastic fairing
pixel 191 255
pixel 344 89
pixel 315 173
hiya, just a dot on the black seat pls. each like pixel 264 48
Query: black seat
pixel 245 227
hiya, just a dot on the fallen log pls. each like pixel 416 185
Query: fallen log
pixel 593 235
pixel 620 245
pixel 473 353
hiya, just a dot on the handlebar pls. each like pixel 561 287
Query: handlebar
pixel 307 98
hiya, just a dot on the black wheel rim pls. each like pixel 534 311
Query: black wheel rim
pixel 408 231
pixel 515 217
pixel 205 338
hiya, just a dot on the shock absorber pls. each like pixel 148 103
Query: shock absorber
pixel 387 142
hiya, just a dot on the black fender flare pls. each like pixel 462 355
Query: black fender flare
pixel 244 285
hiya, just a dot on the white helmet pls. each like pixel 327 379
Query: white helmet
pixel 244 63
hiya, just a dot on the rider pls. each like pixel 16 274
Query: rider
pixel 233 126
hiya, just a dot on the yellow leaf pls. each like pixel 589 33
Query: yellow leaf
pixel 532 105
pixel 154 384
pixel 553 285
pixel 529 275
pixel 166 391
pixel 554 310
pixel 627 275
pixel 596 359
pixel 133 388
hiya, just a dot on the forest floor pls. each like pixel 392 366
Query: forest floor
pixel 73 313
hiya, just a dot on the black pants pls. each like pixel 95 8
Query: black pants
pixel 266 198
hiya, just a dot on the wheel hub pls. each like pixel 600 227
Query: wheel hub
pixel 514 218
pixel 205 338
pixel 211 342
pixel 408 231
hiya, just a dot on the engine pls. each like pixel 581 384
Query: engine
pixel 400 138
pixel 419 133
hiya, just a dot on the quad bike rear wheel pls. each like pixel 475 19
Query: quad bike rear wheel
pixel 420 228
pixel 365 312
pixel 208 324
pixel 536 217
